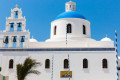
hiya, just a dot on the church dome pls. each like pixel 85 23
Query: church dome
pixel 70 14
pixel 33 40
pixel 106 39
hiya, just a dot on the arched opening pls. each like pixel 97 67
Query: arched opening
pixel 104 63
pixel 84 29
pixel 66 63
pixel 69 28
pixel 47 63
pixel 11 27
pixel 11 64
pixel 55 28
pixel 22 40
pixel 6 41
pixel 16 14
pixel 14 41
pixel 19 26
pixel 85 63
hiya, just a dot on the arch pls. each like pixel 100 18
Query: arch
pixel 85 63
pixel 47 63
pixel 55 29
pixel 69 28
pixel 84 29
pixel 19 26
pixel 65 63
pixel 16 14
pixel 11 64
pixel 11 27
pixel 104 63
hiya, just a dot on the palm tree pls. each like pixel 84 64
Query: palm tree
pixel 27 68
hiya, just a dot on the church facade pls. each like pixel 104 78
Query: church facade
pixel 70 53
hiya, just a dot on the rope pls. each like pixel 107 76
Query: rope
pixel 66 36
pixel 52 68
pixel 69 66
pixel 116 52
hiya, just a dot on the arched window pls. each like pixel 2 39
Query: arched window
pixel 84 29
pixel 85 63
pixel 104 63
pixel 11 64
pixel 66 63
pixel 55 30
pixel 47 63
pixel 69 28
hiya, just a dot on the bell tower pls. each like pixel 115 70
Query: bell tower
pixel 70 6
pixel 15 35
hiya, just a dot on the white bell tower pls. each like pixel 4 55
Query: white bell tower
pixel 15 35
pixel 70 6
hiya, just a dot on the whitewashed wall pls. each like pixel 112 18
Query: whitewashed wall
pixel 94 71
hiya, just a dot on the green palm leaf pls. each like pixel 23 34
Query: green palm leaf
pixel 27 68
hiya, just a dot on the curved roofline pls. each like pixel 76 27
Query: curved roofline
pixel 70 14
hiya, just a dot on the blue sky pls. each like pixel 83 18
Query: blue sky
pixel 104 15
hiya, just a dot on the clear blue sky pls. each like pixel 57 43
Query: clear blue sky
pixel 104 15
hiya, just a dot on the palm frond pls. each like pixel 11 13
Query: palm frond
pixel 27 68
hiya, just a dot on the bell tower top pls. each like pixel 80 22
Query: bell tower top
pixel 70 6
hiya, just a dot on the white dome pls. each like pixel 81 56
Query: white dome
pixel 106 39
pixel 33 40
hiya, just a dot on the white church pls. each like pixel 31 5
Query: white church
pixel 70 48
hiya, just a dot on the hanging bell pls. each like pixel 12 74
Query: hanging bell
pixel 14 39
pixel 19 24
pixel 11 25
pixel 16 13
pixel 22 39
pixel 6 40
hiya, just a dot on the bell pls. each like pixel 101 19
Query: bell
pixel 22 39
pixel 19 25
pixel 6 40
pixel 16 13
pixel 11 25
pixel 14 39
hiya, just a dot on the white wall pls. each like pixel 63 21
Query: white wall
pixel 94 71
pixel 77 29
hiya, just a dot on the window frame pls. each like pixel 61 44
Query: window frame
pixel 69 28
pixel 84 29
pixel 47 64
pixel 66 62
pixel 85 63
pixel 11 63
pixel 104 63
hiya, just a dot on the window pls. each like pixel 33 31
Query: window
pixel 104 63
pixel 55 30
pixel 85 63
pixel 11 64
pixel 69 28
pixel 47 63
pixel 66 63
pixel 84 29
pixel 118 68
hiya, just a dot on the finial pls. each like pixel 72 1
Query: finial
pixel 16 5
